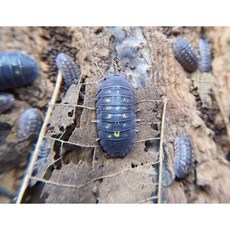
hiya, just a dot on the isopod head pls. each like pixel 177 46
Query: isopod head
pixel 185 54
pixel 30 123
pixel 183 156
pixel 16 69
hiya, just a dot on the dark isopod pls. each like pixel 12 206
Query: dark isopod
pixel 16 69
pixel 183 156
pixel 70 72
pixel 116 118
pixel 6 101
pixel 185 54
pixel 29 124
pixel 205 56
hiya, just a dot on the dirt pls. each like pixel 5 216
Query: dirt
pixel 76 169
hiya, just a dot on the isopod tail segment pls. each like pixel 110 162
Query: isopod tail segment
pixel 116 115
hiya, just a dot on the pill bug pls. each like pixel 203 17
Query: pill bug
pixel 6 101
pixel 30 123
pixel 116 118
pixel 185 54
pixel 70 72
pixel 16 69
pixel 205 56
pixel 183 155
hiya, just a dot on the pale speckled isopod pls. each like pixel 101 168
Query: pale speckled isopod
pixel 30 123
pixel 16 69
pixel 185 54
pixel 70 72
pixel 116 118
pixel 205 56
pixel 6 101
pixel 183 156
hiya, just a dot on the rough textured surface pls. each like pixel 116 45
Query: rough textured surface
pixel 77 170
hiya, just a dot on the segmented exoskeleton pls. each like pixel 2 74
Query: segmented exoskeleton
pixel 185 54
pixel 183 156
pixel 116 118
pixel 16 69
pixel 30 123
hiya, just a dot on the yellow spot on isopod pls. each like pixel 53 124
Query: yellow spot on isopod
pixel 108 108
pixel 107 126
pixel 107 100
pixel 118 91
pixel 124 116
pixel 116 134
pixel 124 124
pixel 109 136
pixel 17 73
pixel 124 108
pixel 108 116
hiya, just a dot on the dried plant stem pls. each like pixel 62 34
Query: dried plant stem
pixel 161 151
pixel 34 156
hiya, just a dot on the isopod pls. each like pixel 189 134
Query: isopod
pixel 116 118
pixel 30 123
pixel 6 101
pixel 70 71
pixel 185 54
pixel 205 56
pixel 16 69
pixel 183 156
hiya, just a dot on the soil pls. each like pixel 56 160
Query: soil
pixel 76 169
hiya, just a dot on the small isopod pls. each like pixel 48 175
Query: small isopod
pixel 183 156
pixel 16 69
pixel 185 54
pixel 205 56
pixel 30 123
pixel 116 118
pixel 6 101
pixel 70 71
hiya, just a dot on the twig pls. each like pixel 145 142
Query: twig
pixel 161 152
pixel 34 156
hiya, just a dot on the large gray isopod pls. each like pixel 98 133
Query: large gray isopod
pixel 185 54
